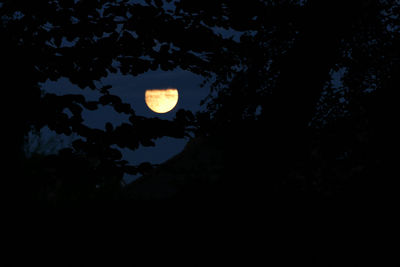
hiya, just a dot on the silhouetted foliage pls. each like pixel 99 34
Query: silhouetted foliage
pixel 84 41
pixel 269 100
pixel 288 128
pixel 267 85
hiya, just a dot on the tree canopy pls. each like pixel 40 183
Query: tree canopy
pixel 271 80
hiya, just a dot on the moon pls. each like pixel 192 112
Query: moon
pixel 161 100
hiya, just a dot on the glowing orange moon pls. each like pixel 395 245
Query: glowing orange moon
pixel 161 100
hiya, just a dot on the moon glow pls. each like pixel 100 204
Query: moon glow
pixel 161 100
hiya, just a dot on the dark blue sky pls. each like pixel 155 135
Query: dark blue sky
pixel 131 90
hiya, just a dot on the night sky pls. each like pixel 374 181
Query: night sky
pixel 131 90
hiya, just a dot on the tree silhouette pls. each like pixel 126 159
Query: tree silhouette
pixel 267 86
pixel 274 92
pixel 84 41
pixel 283 64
